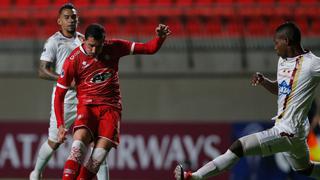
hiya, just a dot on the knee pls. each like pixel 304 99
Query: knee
pixel 53 145
pixel 237 148
pixel 307 171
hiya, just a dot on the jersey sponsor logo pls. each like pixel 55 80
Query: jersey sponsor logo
pixel 284 88
pixel 99 77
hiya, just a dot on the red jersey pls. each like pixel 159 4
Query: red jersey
pixel 96 78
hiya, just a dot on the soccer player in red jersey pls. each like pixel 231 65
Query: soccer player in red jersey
pixel 93 66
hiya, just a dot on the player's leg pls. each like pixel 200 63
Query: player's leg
pixel 263 143
pixel 51 145
pixel 299 159
pixel 98 156
pixel 249 144
pixel 108 131
pixel 84 128
pixel 81 139
pixel 103 173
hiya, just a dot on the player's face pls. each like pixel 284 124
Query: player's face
pixel 93 47
pixel 281 45
pixel 68 20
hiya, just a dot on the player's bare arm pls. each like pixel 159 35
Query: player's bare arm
pixel 163 31
pixel 259 79
pixel 46 71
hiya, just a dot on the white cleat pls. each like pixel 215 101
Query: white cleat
pixel 179 172
pixel 35 176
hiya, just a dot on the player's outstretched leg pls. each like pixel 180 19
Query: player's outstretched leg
pixel 179 173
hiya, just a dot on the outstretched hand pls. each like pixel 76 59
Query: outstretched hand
pixel 257 79
pixel 163 31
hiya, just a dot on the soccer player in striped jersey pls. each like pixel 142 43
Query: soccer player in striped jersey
pixel 298 75
pixel 56 50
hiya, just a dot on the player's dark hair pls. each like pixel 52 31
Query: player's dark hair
pixel 291 31
pixel 96 31
pixel 66 6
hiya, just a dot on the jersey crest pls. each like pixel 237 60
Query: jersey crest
pixel 284 88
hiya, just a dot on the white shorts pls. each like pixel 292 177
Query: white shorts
pixel 295 149
pixel 70 113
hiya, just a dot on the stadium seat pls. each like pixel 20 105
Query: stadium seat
pixel 82 3
pixel 142 3
pixel 213 27
pixel 315 27
pixel 184 3
pixel 246 2
pixel 194 26
pixel 101 3
pixel 22 3
pixel 41 3
pixel 308 2
pixel 224 2
pixel 203 2
pixel 303 24
pixel 5 4
pixel 233 27
pixel 4 9
pixel 162 3
pixel 59 3
pixel 122 2
pixel 175 25
pixel 145 26
pixel 256 27
pixel 266 2
pixel 287 2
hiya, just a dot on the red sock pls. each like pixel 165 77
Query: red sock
pixel 70 170
pixel 85 174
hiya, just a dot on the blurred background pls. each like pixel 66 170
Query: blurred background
pixel 186 103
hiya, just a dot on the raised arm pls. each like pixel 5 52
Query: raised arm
pixel 153 45
pixel 260 79
pixel 46 71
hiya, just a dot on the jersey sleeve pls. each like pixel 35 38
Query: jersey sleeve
pixel 67 74
pixel 49 51
pixel 122 47
pixel 315 67
pixel 149 47
pixel 63 83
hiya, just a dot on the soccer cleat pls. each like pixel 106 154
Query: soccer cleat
pixel 34 176
pixel 179 173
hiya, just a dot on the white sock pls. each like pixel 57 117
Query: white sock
pixel 216 166
pixel 78 151
pixel 103 173
pixel 44 155
pixel 98 156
